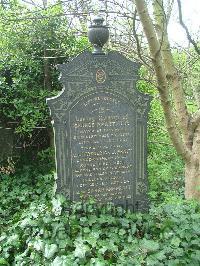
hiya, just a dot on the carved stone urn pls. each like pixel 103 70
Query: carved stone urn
pixel 98 34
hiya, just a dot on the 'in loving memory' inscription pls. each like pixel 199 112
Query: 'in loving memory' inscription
pixel 102 147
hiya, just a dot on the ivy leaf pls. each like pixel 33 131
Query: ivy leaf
pixel 92 219
pixel 175 241
pixel 149 245
pixel 59 261
pixel 160 255
pixel 92 239
pixel 196 228
pixel 151 260
pixel 57 206
pixel 196 255
pixel 133 228
pixel 130 238
pixel 97 262
pixel 122 232
pixel 86 230
pixel 125 222
pixel 80 250
pixel 112 246
pixel 38 245
pixel 103 250
pixel 3 262
pixel 50 250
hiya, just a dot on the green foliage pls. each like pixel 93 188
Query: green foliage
pixel 165 167
pixel 28 183
pixel 188 64
pixel 39 229
pixel 32 43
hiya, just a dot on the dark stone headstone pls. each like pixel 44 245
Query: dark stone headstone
pixel 100 124
pixel 6 143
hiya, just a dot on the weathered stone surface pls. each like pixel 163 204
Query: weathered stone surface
pixel 6 143
pixel 100 125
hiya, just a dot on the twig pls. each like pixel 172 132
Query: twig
pixel 185 28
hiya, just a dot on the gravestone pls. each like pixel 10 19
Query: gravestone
pixel 100 127
pixel 6 143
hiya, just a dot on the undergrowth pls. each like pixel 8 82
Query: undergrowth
pixel 38 228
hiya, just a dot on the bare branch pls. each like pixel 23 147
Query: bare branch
pixel 138 45
pixel 186 28
pixel 169 11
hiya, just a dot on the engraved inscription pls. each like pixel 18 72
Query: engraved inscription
pixel 101 132
pixel 102 128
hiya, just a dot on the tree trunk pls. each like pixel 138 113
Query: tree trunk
pixel 192 180
pixel 183 128
pixel 192 169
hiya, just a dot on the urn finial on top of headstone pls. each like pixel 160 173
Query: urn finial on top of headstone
pixel 98 34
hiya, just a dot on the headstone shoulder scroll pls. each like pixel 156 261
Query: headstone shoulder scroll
pixel 100 131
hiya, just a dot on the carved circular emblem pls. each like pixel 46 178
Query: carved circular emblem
pixel 100 76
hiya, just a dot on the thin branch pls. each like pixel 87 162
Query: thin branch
pixel 186 29
pixel 137 41
pixel 30 2
pixel 169 11
pixel 160 143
